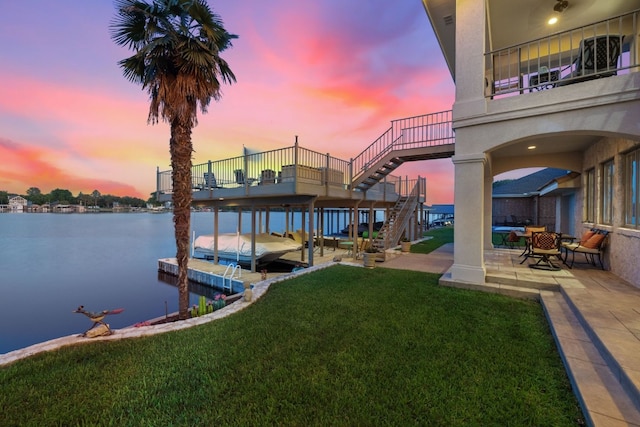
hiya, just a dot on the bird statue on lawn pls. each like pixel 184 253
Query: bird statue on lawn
pixel 97 319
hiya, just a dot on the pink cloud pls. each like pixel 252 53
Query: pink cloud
pixel 335 73
pixel 27 166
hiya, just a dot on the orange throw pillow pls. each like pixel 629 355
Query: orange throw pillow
pixel 594 241
pixel 586 236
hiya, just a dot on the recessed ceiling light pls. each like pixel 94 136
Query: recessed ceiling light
pixel 531 147
pixel 552 20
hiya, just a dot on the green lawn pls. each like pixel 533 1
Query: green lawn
pixel 340 346
pixel 443 235
pixel 439 236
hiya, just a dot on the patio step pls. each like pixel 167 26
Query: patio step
pixel 606 398
pixel 538 283
pixel 492 286
pixel 615 331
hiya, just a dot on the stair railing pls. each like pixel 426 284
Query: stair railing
pixel 427 130
pixel 398 220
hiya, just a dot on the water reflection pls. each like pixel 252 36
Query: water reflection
pixel 195 289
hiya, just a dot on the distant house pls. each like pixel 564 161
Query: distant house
pixel 18 204
pixel 440 215
pixel 546 197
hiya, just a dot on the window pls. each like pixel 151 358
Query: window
pixel 590 196
pixel 607 193
pixel 632 189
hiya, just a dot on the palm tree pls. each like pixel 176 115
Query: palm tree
pixel 177 45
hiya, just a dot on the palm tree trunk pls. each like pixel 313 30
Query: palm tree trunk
pixel 181 147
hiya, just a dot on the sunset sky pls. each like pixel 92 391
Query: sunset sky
pixel 335 73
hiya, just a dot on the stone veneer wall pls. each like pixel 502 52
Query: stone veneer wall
pixel 621 255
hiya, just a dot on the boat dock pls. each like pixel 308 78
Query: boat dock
pixel 228 279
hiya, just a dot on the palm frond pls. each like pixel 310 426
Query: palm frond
pixel 177 45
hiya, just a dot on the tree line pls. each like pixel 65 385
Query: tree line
pixel 62 196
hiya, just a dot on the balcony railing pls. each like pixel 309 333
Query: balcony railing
pixel 601 49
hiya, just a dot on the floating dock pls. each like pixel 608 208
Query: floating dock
pixel 225 278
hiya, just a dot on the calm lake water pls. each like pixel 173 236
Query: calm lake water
pixel 52 263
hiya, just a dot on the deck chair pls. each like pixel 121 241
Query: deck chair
pixel 597 57
pixel 545 244
pixel 210 180
pixel 239 175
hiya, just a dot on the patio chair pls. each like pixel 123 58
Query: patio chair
pixel 512 239
pixel 597 57
pixel 210 180
pixel 239 175
pixel 545 244
pixel 591 244
pixel 528 233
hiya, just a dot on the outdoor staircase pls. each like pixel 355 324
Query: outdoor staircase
pixel 385 168
pixel 416 138
pixel 397 220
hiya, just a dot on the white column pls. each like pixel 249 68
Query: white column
pixel 468 248
pixel 488 206
pixel 470 59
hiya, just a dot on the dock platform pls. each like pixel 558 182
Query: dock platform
pixel 210 274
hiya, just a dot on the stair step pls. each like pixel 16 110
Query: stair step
pixel 538 283
pixel 603 399
pixel 496 288
pixel 606 332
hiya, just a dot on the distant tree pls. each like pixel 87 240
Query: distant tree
pixel 34 195
pixel 107 200
pixel 33 191
pixel 132 201
pixel 84 199
pixel 4 197
pixel 177 45
pixel 61 196
pixel 95 194
pixel 153 199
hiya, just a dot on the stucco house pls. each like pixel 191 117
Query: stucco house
pixel 534 94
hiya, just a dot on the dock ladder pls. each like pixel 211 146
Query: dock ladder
pixel 229 275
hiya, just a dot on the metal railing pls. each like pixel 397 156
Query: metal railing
pixel 396 225
pixel 268 167
pixel 298 164
pixel 413 132
pixel 600 49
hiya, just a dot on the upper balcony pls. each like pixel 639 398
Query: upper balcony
pixel 522 52
pixel 597 50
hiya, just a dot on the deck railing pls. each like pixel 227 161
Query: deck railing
pixel 556 60
pixel 413 132
pixel 300 164
pixel 266 167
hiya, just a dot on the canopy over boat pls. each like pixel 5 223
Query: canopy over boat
pixel 237 247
